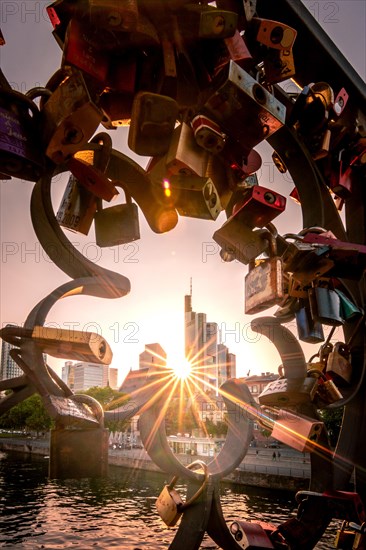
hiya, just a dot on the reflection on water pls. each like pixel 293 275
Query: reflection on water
pixel 117 512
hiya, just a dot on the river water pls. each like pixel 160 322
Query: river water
pixel 117 512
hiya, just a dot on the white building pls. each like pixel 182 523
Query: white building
pixel 8 367
pixel 85 375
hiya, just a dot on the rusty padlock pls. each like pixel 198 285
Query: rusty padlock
pixel 264 283
pixel 69 118
pixel 153 119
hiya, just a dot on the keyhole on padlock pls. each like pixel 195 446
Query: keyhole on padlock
pixel 219 24
pixel 73 135
pixel 276 35
pixel 114 19
pixel 269 197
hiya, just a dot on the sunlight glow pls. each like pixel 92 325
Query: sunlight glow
pixel 182 368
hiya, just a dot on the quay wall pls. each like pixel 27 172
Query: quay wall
pixel 239 476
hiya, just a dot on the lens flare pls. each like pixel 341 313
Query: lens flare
pixel 181 368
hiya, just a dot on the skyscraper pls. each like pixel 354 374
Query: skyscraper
pixel 8 367
pixel 212 361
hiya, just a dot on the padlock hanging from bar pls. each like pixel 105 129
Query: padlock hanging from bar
pixel 169 504
pixel 264 282
pixel 20 134
pixel 116 225
pixel 69 118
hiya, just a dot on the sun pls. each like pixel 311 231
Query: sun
pixel 181 368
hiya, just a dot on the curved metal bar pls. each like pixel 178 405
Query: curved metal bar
pixel 194 522
pixel 238 400
pixel 105 283
pixel 292 355
pixel 217 527
pixel 93 404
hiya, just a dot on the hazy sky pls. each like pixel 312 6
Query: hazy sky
pixel 158 266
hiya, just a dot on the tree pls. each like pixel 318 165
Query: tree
pixel 332 419
pixel 110 399
pixel 29 414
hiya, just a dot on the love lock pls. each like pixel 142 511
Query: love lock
pixel 169 503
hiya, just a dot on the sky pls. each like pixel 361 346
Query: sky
pixel 159 266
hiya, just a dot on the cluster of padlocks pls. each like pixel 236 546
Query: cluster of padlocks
pixel 197 85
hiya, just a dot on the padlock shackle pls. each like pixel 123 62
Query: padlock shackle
pixel 192 466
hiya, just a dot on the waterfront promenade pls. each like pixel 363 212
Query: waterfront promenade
pixel 290 471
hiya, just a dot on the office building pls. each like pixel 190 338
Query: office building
pixel 82 376
pixel 212 361
pixel 8 367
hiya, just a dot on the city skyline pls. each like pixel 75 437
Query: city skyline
pixel 159 266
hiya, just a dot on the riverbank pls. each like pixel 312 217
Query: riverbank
pixel 288 471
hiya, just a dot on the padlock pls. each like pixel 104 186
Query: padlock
pixel 117 224
pixel 117 108
pixel 153 119
pixel 70 118
pixel 194 196
pixel 273 34
pixel 60 12
pixel 239 242
pixel 243 108
pixel 288 392
pixel 169 504
pixel 208 134
pixel 206 22
pixel 93 179
pixel 79 202
pixel 339 364
pixel 340 102
pixel 241 168
pixel 185 157
pixel 295 289
pixel 325 392
pixel 77 207
pixel 315 113
pixel 300 432
pixel 81 51
pixel 250 535
pixel 250 7
pixel 20 154
pixel 279 65
pixel 264 284
pixel 234 49
pixel 344 538
pixel 349 258
pixel 349 310
pixel 344 505
pixel 308 330
pixel 217 172
pixel 114 15
pixel 63 343
pixel 321 149
pixel 325 305
pixel 306 263
pixel 259 206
